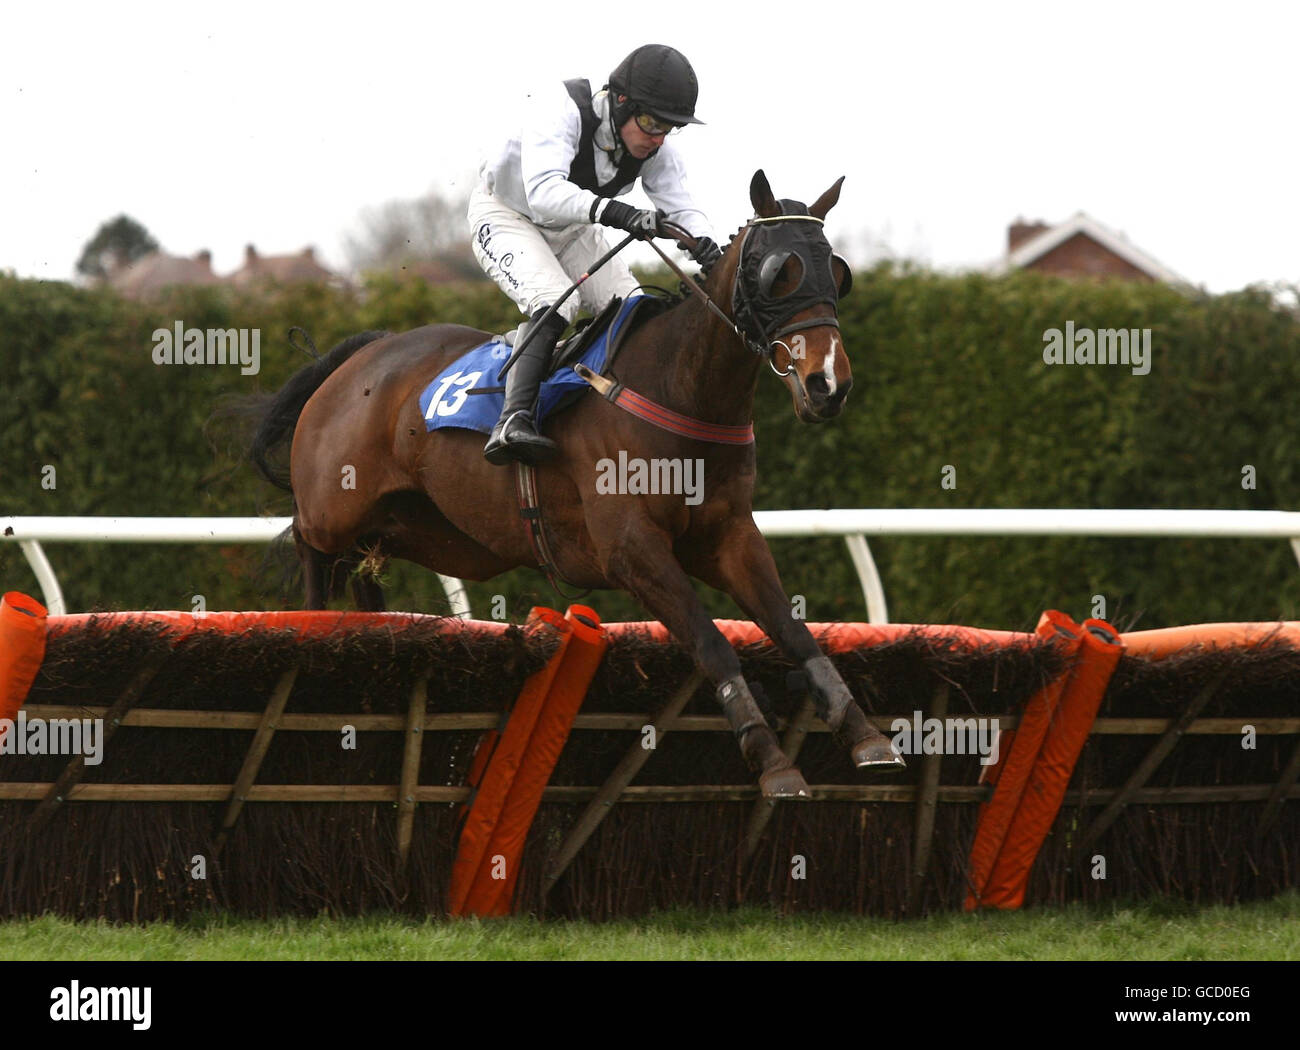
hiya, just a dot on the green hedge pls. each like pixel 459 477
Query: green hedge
pixel 948 372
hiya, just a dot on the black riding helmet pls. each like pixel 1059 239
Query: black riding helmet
pixel 658 80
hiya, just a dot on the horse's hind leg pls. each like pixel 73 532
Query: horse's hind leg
pixel 639 558
pixel 740 563
pixel 365 564
pixel 367 592
pixel 315 572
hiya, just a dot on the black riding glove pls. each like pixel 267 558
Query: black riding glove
pixel 706 252
pixel 620 216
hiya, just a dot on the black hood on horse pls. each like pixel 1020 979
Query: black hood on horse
pixel 795 241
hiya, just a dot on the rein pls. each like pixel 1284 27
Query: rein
pixel 555 306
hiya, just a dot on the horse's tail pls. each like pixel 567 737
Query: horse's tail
pixel 277 414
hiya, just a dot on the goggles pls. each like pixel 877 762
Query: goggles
pixel 652 125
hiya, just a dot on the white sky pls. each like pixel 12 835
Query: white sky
pixel 277 123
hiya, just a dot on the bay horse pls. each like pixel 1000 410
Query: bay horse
pixel 431 498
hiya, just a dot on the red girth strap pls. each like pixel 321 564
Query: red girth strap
pixel 665 418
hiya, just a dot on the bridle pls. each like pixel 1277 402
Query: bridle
pixel 746 307
pixel 750 308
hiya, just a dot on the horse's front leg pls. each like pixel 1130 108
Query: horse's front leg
pixel 637 555
pixel 741 564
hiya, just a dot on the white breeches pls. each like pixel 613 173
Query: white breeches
pixel 535 266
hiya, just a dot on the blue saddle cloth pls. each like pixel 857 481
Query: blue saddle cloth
pixel 453 398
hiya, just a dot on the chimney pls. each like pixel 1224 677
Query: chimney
pixel 309 253
pixel 1020 231
pixel 204 259
pixel 250 256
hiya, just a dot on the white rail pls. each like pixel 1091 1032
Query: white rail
pixel 853 525
pixel 29 532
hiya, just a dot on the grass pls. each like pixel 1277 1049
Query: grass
pixel 1152 930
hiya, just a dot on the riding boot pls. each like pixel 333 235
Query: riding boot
pixel 515 434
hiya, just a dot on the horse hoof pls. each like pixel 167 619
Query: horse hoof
pixel 784 783
pixel 877 755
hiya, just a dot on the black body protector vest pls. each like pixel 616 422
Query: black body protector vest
pixel 582 172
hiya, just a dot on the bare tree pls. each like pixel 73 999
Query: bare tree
pixel 116 244
pixel 431 228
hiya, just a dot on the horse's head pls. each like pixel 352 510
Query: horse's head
pixel 786 285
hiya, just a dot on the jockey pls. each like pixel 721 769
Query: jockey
pixel 535 217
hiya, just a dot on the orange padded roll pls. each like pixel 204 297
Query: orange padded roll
pixel 586 649
pixel 1167 640
pixel 832 637
pixel 312 623
pixel 473 858
pixel 22 649
pixel 1066 735
pixel 997 816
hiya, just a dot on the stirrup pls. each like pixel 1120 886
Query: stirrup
pixel 525 444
